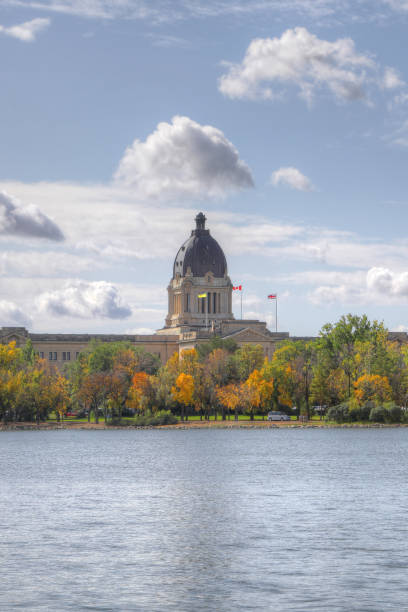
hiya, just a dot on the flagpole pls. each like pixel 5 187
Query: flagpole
pixel 206 313
pixel 276 314
pixel 241 303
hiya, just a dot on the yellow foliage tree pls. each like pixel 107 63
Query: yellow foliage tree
pixel 183 391
pixel 230 397
pixel 372 387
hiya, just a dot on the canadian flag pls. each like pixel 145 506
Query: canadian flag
pixel 272 296
pixel 237 288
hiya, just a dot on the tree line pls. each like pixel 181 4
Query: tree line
pixel 351 372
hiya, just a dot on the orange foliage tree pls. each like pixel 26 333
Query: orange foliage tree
pixel 140 393
pixel 183 391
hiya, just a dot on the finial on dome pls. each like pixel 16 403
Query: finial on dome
pixel 200 221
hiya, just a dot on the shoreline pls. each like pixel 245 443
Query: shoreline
pixel 196 425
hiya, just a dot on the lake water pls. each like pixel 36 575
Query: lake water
pixel 277 520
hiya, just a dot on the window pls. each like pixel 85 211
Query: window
pixel 50 356
pixel 55 356
pixel 77 355
pixel 68 356
pixel 64 356
pixel 41 354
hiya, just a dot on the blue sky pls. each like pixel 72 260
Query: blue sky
pixel 120 120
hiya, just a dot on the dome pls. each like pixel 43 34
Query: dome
pixel 201 253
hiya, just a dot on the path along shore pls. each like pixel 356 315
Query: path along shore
pixel 185 425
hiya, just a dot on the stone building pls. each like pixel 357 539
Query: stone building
pixel 199 307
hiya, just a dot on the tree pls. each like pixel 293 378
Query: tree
pixel 206 348
pixel 118 389
pixel 183 391
pixel 248 358
pixel 140 393
pixel 372 387
pixel 93 393
pixel 229 396
pixel 338 343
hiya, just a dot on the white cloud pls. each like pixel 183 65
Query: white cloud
pixel 161 10
pixel 292 177
pixel 53 263
pixel 334 295
pixel 140 331
pixel 85 300
pixel 380 285
pixel 183 158
pixel 300 59
pixel 11 314
pixel 392 79
pixel 19 220
pixel 27 31
pixel 386 282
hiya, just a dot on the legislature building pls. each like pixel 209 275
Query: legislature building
pixel 199 308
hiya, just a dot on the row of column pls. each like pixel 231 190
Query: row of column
pixel 211 303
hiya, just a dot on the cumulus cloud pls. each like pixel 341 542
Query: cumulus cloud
pixel 29 221
pixel 27 31
pixel 387 282
pixel 303 60
pixel 292 177
pixel 183 158
pixel 379 285
pixel 12 315
pixel 85 300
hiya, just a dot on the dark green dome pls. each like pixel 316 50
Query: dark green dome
pixel 201 253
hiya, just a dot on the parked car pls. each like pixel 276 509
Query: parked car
pixel 277 416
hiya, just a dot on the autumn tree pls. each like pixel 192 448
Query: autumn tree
pixel 248 358
pixel 93 393
pixel 183 391
pixel 140 394
pixel 372 388
pixel 229 397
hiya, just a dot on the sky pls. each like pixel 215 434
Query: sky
pixel 286 123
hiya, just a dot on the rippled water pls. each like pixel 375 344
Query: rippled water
pixel 275 520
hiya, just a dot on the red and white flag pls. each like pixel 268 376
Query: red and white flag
pixel 272 296
pixel 237 288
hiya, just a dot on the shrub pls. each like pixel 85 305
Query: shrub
pixel 355 414
pixel 162 417
pixel 360 413
pixel 379 414
pixel 395 414
pixel 339 413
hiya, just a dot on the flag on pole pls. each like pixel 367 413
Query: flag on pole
pixel 202 295
pixel 237 288
pixel 272 296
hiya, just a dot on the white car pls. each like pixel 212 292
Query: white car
pixel 277 416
